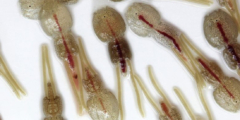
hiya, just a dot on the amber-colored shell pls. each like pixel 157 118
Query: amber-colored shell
pixel 212 32
pixel 114 52
pixel 229 58
pixel 223 98
pixel 108 24
pixel 60 47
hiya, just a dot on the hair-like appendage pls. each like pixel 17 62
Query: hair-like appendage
pixel 157 87
pixel 185 103
pixel 47 71
pixel 132 73
pixel 119 91
pixel 8 75
pixel 148 95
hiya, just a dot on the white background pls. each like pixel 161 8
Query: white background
pixel 21 39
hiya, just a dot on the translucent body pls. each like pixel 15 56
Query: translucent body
pixel 113 51
pixel 174 115
pixel 213 33
pixel 226 90
pixel 103 106
pixel 138 26
pixel 55 19
pixel 105 17
pixel 222 97
pixel 229 58
pixel 60 47
pixel 144 20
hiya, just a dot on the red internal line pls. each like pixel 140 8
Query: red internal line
pixel 119 50
pixel 219 25
pixel 69 55
pixel 165 109
pixel 229 47
pixel 215 76
pixel 89 76
pixel 141 17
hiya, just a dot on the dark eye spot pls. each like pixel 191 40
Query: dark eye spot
pixel 136 13
pixel 104 16
pixel 29 6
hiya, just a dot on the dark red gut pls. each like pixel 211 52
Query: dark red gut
pixel 119 50
pixel 165 110
pixel 69 55
pixel 215 76
pixel 229 47
pixel 141 17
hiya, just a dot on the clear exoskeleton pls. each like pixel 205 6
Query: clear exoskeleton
pixel 56 22
pixel 52 105
pixel 221 32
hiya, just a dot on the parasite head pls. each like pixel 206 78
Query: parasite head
pixel 220 29
pixel 103 106
pixel 223 98
pixel 108 24
pixel 55 19
pixel 31 8
pixel 142 18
